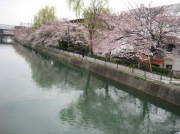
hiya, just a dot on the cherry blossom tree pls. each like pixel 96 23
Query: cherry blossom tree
pixel 133 34
pixel 21 33
pixel 53 33
pixel 137 34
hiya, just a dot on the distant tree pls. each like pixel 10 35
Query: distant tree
pixel 44 16
pixel 90 15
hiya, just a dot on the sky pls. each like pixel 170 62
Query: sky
pixel 16 12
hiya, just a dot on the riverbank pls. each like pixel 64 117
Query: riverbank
pixel 166 92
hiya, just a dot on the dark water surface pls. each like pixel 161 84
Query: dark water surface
pixel 41 96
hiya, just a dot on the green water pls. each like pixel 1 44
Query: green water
pixel 40 96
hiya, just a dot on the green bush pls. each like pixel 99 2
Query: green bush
pixel 76 48
pixel 161 70
pixel 124 62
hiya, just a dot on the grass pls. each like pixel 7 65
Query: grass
pixel 140 78
pixel 175 84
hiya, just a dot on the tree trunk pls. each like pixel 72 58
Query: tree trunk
pixel 91 42
pixel 150 66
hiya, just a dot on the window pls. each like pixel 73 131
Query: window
pixel 168 66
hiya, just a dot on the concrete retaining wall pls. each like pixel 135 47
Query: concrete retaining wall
pixel 168 93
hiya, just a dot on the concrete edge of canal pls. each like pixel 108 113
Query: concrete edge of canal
pixel 167 93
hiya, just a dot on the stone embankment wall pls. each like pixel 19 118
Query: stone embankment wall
pixel 167 93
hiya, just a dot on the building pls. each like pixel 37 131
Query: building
pixel 170 58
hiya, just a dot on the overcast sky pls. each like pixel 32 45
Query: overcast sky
pixel 22 11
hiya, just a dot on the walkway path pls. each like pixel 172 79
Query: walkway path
pixel 134 71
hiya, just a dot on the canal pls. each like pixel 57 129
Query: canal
pixel 41 96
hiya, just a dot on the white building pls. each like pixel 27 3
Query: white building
pixel 172 58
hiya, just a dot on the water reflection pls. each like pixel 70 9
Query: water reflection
pixel 102 105
pixel 119 113
pixel 48 75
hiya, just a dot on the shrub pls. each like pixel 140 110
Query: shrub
pixel 77 48
pixel 161 70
